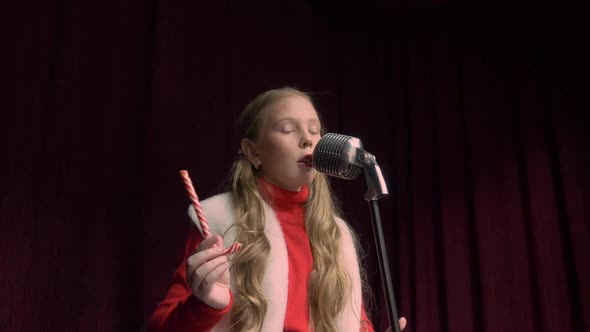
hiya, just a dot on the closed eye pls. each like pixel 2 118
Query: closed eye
pixel 287 128
pixel 314 130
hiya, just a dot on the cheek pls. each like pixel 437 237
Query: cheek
pixel 276 147
pixel 315 140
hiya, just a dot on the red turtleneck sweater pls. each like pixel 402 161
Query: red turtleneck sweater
pixel 180 311
pixel 288 205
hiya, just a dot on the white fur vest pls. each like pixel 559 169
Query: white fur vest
pixel 219 212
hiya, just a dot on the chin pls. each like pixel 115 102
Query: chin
pixel 300 181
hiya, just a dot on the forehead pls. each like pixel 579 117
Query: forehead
pixel 296 107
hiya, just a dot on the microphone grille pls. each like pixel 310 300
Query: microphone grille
pixel 334 155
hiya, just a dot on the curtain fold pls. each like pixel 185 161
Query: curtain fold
pixel 477 117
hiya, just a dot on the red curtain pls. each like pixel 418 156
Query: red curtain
pixel 476 116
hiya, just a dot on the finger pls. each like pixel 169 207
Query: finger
pixel 216 275
pixel 219 241
pixel 210 242
pixel 199 258
pixel 402 323
pixel 204 255
pixel 202 271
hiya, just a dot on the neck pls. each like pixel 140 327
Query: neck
pixel 281 186
pixel 279 197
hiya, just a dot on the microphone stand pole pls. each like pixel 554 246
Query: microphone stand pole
pixel 376 188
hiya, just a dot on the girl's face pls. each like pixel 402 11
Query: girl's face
pixel 290 130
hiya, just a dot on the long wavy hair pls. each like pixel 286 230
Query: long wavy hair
pixel 329 285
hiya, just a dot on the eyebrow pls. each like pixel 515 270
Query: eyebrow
pixel 311 120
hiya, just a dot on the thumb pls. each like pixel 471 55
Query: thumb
pixel 218 241
pixel 402 324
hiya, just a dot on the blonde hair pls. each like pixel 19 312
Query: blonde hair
pixel 329 285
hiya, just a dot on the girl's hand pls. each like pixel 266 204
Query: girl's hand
pixel 402 325
pixel 207 273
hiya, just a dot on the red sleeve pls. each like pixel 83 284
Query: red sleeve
pixel 180 310
pixel 366 325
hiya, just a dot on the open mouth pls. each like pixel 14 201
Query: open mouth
pixel 306 160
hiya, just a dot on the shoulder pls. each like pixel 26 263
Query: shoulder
pixel 218 203
pixel 218 210
pixel 347 237
pixel 341 223
pixel 344 229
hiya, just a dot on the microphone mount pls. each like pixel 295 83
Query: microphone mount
pixel 376 187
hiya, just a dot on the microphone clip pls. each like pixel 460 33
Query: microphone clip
pixel 376 187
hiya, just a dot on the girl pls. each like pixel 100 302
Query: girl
pixel 298 268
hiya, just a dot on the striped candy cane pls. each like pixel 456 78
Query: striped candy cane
pixel 192 195
pixel 234 247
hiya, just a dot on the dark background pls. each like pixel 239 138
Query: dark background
pixel 476 113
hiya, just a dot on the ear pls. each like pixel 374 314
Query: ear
pixel 249 149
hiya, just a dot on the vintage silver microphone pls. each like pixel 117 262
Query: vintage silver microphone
pixel 344 157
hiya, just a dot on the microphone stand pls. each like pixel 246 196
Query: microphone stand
pixel 376 188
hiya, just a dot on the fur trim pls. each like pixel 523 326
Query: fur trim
pixel 220 214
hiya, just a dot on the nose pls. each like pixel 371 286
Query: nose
pixel 305 141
